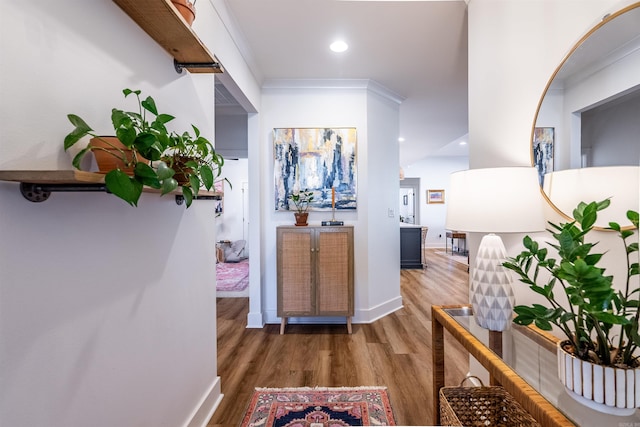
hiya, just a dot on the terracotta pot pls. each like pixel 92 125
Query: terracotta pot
pixel 603 388
pixel 186 9
pixel 109 157
pixel 182 172
pixel 301 218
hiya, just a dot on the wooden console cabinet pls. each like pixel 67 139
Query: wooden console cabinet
pixel 315 272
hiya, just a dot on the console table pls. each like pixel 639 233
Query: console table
pixel 523 361
pixel 459 236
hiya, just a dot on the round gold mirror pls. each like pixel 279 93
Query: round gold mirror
pixel 586 134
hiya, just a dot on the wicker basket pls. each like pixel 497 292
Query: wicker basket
pixel 481 406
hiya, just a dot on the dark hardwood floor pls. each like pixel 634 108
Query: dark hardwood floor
pixel 394 351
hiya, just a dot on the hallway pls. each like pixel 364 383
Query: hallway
pixel 394 351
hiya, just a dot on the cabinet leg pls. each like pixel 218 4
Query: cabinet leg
pixel 349 330
pixel 283 322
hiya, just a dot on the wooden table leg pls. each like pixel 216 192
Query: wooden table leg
pixel 283 322
pixel 495 345
pixel 437 354
pixel 349 330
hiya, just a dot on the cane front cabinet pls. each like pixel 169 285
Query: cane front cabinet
pixel 315 272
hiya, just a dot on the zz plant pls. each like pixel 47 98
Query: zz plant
pixel 302 200
pixel 599 322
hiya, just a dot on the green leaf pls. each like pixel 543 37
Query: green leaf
pixel 164 118
pixel 207 177
pixel 128 92
pixel 146 175
pixel 164 171
pixel 543 324
pixel 168 185
pixel 614 226
pixel 81 129
pixel 188 195
pixel 194 182
pixel 78 157
pixel 150 105
pixel 610 318
pixel 589 216
pixel 121 185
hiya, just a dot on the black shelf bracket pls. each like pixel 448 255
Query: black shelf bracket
pixel 179 66
pixel 40 192
pixel 180 198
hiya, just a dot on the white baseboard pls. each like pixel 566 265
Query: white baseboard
pixel 255 321
pixel 207 405
pixel 361 316
pixel 374 313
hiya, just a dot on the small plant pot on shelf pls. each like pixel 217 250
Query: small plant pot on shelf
pixel 186 9
pixel 178 164
pixel 301 219
pixel 606 389
pixel 109 153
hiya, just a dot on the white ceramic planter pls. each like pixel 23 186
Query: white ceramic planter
pixel 610 390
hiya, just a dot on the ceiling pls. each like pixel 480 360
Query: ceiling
pixel 415 48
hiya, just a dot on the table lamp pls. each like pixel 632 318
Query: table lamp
pixel 494 200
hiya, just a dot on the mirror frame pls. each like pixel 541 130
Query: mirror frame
pixel 605 20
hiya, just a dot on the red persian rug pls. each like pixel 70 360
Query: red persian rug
pixel 319 407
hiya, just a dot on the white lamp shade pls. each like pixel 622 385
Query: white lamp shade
pixel 497 200
pixel 595 184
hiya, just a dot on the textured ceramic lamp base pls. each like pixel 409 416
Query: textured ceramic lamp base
pixel 491 293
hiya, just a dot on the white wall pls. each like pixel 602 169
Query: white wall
pixel 613 134
pixel 101 326
pixel 434 174
pixel 229 225
pixel 377 247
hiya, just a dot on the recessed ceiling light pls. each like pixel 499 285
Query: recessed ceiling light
pixel 463 142
pixel 401 139
pixel 338 46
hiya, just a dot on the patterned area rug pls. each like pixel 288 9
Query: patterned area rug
pixel 232 277
pixel 319 407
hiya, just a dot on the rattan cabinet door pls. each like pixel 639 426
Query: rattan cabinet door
pixel 295 271
pixel 334 271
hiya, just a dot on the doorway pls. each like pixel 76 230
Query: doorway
pixel 409 205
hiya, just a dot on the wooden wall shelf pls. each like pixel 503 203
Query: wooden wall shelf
pixel 37 185
pixel 162 21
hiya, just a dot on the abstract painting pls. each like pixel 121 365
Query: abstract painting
pixel 317 160
pixel 543 139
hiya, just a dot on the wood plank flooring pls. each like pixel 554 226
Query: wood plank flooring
pixel 394 351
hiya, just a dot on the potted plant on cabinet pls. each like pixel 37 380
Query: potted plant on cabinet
pixel 597 361
pixel 301 200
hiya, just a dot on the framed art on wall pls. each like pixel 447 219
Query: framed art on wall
pixel 543 142
pixel 435 196
pixel 219 188
pixel 320 160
